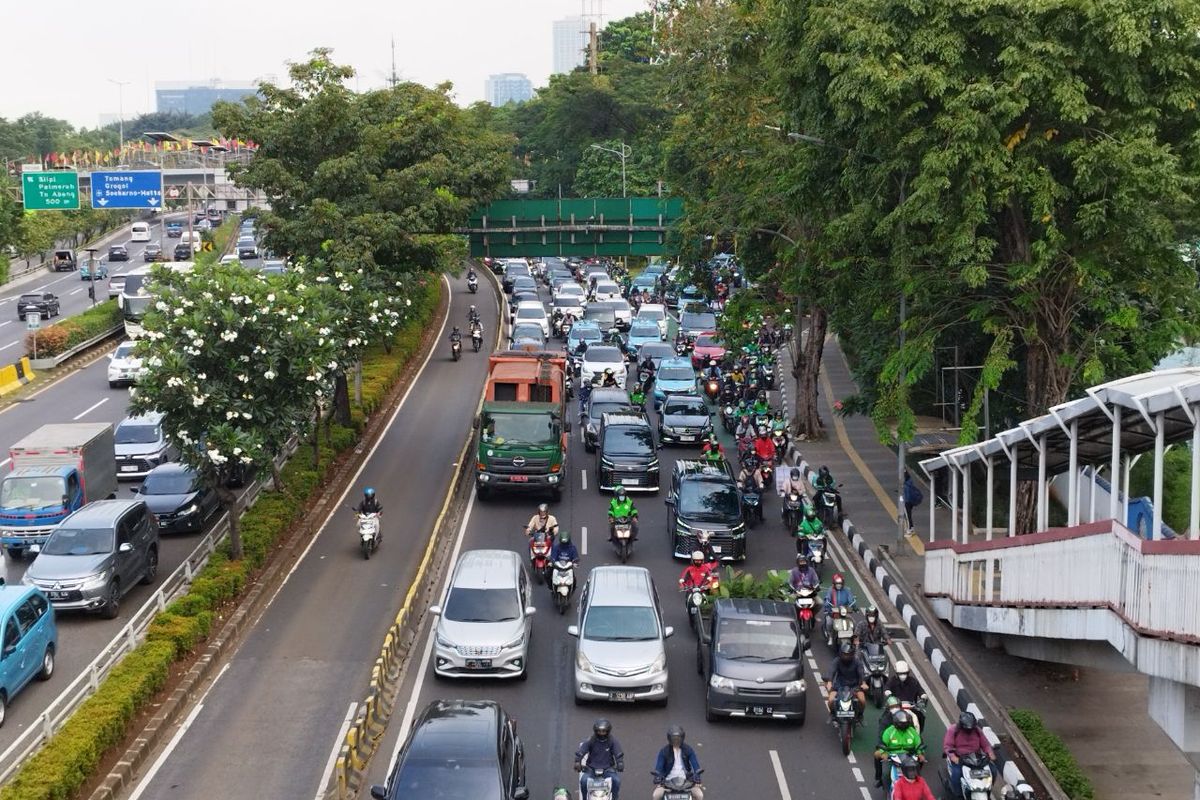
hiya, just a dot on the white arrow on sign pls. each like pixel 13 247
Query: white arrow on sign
pixel 152 201
pixel 103 201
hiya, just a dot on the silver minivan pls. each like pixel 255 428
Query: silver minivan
pixel 621 655
pixel 484 625
pixel 141 445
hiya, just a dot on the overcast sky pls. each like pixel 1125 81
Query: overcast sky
pixel 58 55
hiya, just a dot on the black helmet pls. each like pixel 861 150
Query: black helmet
pixel 846 651
pixel 824 471
pixel 872 614
pixel 901 720
pixel 795 473
pixel 801 560
pixel 908 766
pixel 620 492
pixel 675 732
pixel 966 721
pixel 564 535
pixel 602 727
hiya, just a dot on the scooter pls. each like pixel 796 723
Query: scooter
pixel 712 389
pixel 598 787
pixel 456 349
pixel 623 538
pixel 976 783
pixel 539 555
pixel 838 629
pixel 368 534
pixel 816 550
pixel 806 608
pixel 562 583
pixel 779 439
pixel 827 507
pixel 792 511
pixel 751 504
pixel 472 285
pixel 476 339
pixel 729 418
pixel 679 788
pixel 845 717
pixel 693 601
pixel 876 662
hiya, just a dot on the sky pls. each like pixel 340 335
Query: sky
pixel 59 56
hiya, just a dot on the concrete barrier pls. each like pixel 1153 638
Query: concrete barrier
pixel 14 376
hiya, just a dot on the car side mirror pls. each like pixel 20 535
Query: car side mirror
pixel 111 356
pixel 379 792
pixel 573 630
pixel 435 610
pixel 669 502
pixel 530 611
pixel 668 632
pixel 125 547
pixel 135 489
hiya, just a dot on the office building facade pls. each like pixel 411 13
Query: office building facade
pixel 508 87
pixel 192 98
pixel 570 44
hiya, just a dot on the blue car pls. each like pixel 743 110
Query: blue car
pixel 584 330
pixel 101 271
pixel 640 333
pixel 674 376
pixel 28 640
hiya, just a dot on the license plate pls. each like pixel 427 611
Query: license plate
pixel 621 697
pixel 520 478
pixel 57 595
pixel 129 468
pixel 479 663
pixel 687 438
pixel 630 481
pixel 759 711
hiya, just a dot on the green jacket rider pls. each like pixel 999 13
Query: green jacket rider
pixel 760 408
pixel 622 506
pixel 811 524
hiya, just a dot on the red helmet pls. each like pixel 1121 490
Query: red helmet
pixel 838 580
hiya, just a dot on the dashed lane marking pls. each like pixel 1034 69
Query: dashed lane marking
pixel 779 778
pixel 583 478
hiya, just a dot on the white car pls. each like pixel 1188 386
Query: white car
pixel 570 290
pixel 532 311
pixel 599 358
pixel 124 369
pixel 230 260
pixel 656 312
pixel 607 290
pixel 622 309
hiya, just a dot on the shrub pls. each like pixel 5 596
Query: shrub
pixel 56 339
pixel 1054 754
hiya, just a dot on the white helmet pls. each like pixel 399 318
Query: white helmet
pixel 901 669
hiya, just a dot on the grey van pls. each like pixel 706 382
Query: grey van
pixel 754 664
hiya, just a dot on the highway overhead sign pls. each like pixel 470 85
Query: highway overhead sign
pixel 127 189
pixel 50 191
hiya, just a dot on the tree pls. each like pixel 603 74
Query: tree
pixel 233 360
pixel 599 172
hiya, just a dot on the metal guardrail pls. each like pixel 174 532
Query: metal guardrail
pixel 129 637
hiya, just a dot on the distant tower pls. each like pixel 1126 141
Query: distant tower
pixel 394 78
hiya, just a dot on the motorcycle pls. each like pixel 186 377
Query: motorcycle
pixel 562 583
pixel 569 386
pixel 766 375
pixel 472 285
pixel 827 501
pixel 816 550
pixel 623 537
pixel 729 393
pixel 751 504
pixel 679 788
pixel 806 608
pixel 767 470
pixel 729 418
pixel 693 601
pixel 712 388
pixel 368 533
pixel 539 555
pixel 598 786
pixel 876 662
pixel 845 717
pixel 976 782
pixel 456 349
pixel 792 511
pixel 779 439
pixel 838 630
pixel 476 339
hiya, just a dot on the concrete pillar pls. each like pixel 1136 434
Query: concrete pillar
pixel 1012 491
pixel 931 501
pixel 1128 468
pixel 991 491
pixel 965 474
pixel 1160 424
pixel 1073 476
pixel 1194 521
pixel 1115 466
pixel 953 473
pixel 1176 708
pixel 1043 513
pixel 1092 494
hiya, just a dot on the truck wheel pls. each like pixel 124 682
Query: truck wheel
pixel 482 494
pixel 112 606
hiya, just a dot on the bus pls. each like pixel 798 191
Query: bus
pixel 139 232
pixel 138 294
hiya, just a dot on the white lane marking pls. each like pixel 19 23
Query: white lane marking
pixel 92 407
pixel 411 709
pixel 10 344
pixel 866 793
pixel 2 324
pixel 850 759
pixel 77 291
pixel 583 478
pixel 858 776
pixel 39 289
pixel 337 745
pixel 148 778
pixel 582 536
pixel 778 767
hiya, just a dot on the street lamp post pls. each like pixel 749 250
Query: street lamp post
pixel 91 251
pixel 625 152
pixel 120 111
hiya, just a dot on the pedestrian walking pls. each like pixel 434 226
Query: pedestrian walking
pixel 912 498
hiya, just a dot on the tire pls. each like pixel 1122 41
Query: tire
pixel 112 606
pixel 660 703
pixel 3 707
pixel 366 549
pixel 798 721
pixel 846 734
pixel 709 716
pixel 579 701
pixel 524 674
pixel 625 548
pixel 699 658
pixel 151 567
pixel 482 494
pixel 114 385
pixel 537 576
pixel 556 495
pixel 47 664
pixel 560 603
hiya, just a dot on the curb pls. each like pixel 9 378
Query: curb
pixel 930 645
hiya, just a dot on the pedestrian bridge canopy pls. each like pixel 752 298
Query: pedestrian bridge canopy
pixel 620 226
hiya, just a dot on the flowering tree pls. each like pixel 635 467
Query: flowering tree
pixel 233 361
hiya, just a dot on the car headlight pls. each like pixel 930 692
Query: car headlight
pixel 718 682
pixel 443 641
pixel 192 509
pixel 514 643
pixel 26 580
pixel 95 581
pixel 582 662
pixel 659 664
pixel 794 688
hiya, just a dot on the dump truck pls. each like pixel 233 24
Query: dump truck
pixel 57 469
pixel 523 426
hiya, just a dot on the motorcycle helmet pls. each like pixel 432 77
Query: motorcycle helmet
pixel 802 561
pixel 902 670
pixel 543 510
pixel 892 704
pixel 795 473
pixel 872 615
pixel 908 766
pixel 608 373
pixel 846 653
pixel 472 312
pixel 564 536
pixel 762 431
pixel 675 736
pixel 703 536
pixel 561 793
pixel 966 721
pixel 824 472
pixel 602 728
pixel 368 493
pixel 697 558
pixel 810 512
pixel 838 580
pixel 620 493
pixel 901 720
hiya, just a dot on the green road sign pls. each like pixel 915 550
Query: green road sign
pixel 50 191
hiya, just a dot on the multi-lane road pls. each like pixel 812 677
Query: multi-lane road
pixel 272 721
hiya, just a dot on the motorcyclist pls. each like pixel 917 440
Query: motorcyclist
pixel 704 545
pixel 825 482
pixel 471 276
pixel 898 738
pixel 622 506
pixel 676 760
pixel 370 503
pixel 542 521
pixel 695 574
pixel 712 371
pixel 647 367
pixel 761 407
pixel 846 672
pixel 871 630
pixel 609 379
pixel 712 450
pixel 803 576
pixel 749 477
pixel 837 597
pixel 962 739
pixel 600 751
pixel 564 549
pixel 794 482
pixel 472 314
pixel 810 524
pixel 476 332
pixel 910 785
pixel 764 448
pixel 456 335
pixel 903 685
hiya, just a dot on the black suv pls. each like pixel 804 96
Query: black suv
pixel 118 252
pixel 44 303
pixel 627 454
pixel 601 402
pixel 464 748
pixel 183 252
pixel 704 497
pixel 753 661
pixel 684 419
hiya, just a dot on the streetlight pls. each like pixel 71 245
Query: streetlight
pixel 625 152
pixel 120 109
pixel 91 251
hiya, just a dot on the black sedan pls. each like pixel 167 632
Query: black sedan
pixel 178 498
pixel 153 252
pixel 118 252
pixel 44 303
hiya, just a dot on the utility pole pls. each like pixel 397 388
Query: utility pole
pixel 91 251
pixel 593 49
pixel 901 517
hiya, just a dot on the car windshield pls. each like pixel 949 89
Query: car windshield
pixel 137 433
pixel 693 321
pixel 656 350
pixel 687 407
pixel 620 624
pixel 628 440
pixel 604 355
pixel 482 605
pixel 757 639
pixel 527 331
pixel 586 334
pixel 566 302
pixel 124 350
pixel 708 341
pixel 524 283
pixel 40 492
pixel 79 542
pixel 172 482
pixel 599 409
pixel 446 779
pixel 530 312
pixel 136 307
pixel 571 290
pixel 500 428
pixel 676 374
pixel 708 500
pixel 644 329
pixel 30 298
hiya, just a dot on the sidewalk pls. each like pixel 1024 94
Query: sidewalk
pixel 1102 716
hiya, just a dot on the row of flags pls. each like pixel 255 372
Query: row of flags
pixel 117 155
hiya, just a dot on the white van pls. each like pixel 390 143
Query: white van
pixel 139 232
pixel 193 238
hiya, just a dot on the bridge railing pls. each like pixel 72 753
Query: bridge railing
pixel 1153 586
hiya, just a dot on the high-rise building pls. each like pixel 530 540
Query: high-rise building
pixel 508 87
pixel 570 43
pixel 189 97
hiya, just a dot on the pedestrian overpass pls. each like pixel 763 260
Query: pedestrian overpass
pixel 1111 588
pixel 621 226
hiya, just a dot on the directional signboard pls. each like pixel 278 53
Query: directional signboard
pixel 50 191
pixel 127 189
